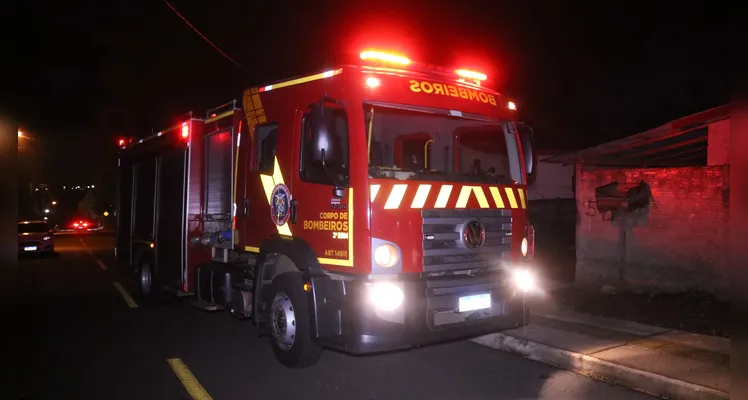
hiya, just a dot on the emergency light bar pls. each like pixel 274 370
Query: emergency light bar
pixel 478 76
pixel 384 57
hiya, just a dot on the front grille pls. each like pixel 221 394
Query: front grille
pixel 444 249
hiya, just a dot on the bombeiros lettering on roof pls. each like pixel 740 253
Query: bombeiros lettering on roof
pixel 444 89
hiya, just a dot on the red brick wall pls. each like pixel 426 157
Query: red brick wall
pixel 679 242
pixel 718 145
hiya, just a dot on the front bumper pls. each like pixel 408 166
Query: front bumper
pixel 344 318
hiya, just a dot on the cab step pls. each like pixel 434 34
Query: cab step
pixel 206 306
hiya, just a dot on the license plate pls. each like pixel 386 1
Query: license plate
pixel 29 248
pixel 475 302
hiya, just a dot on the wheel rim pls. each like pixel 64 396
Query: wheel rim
pixel 283 321
pixel 145 278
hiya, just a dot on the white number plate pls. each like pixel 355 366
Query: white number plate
pixel 475 302
pixel 29 248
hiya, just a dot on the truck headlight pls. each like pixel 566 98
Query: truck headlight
pixel 524 279
pixel 386 296
pixel 524 247
pixel 386 255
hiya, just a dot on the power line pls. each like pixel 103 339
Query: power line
pixel 205 38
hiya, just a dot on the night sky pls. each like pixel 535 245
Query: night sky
pixel 581 75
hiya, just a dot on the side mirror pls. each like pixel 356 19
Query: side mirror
pixel 527 141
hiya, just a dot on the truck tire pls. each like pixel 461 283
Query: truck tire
pixel 288 316
pixel 145 280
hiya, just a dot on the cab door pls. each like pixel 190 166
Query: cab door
pixel 321 198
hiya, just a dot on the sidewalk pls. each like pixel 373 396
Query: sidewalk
pixel 659 361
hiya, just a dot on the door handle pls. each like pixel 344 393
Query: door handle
pixel 294 207
pixel 245 208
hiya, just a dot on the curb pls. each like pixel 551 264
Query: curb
pixel 644 381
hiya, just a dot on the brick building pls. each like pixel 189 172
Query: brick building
pixel 680 241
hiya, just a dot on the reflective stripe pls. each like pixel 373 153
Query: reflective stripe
pixel 421 195
pixel 510 196
pixel 305 79
pixel 464 197
pixel 496 197
pixel 396 196
pixel 374 191
pixel 443 198
pixel 481 196
pixel 252 249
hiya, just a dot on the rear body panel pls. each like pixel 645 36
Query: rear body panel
pixel 152 194
pixel 174 188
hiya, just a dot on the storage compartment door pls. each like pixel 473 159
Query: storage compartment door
pixel 170 231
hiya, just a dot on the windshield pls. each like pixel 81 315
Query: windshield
pixel 33 227
pixel 407 144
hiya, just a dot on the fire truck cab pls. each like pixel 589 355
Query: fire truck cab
pixel 371 207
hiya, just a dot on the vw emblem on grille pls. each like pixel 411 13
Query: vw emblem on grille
pixel 473 234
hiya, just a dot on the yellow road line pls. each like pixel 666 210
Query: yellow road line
pixel 126 296
pixel 101 264
pixel 194 388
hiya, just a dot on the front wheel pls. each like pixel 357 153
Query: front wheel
pixel 288 310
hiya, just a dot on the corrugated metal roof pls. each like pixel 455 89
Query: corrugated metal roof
pixel 682 142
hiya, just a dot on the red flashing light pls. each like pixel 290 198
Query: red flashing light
pixel 121 142
pixel 185 130
pixel 467 74
pixel 385 57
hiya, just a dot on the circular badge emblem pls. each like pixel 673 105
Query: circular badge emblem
pixel 280 204
pixel 474 235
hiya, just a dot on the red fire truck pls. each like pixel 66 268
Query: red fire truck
pixel 371 207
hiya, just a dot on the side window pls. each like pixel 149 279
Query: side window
pixel 267 139
pixel 324 154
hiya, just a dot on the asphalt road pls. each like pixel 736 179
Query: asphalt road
pixel 83 341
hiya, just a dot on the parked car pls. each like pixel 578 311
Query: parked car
pixel 35 237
